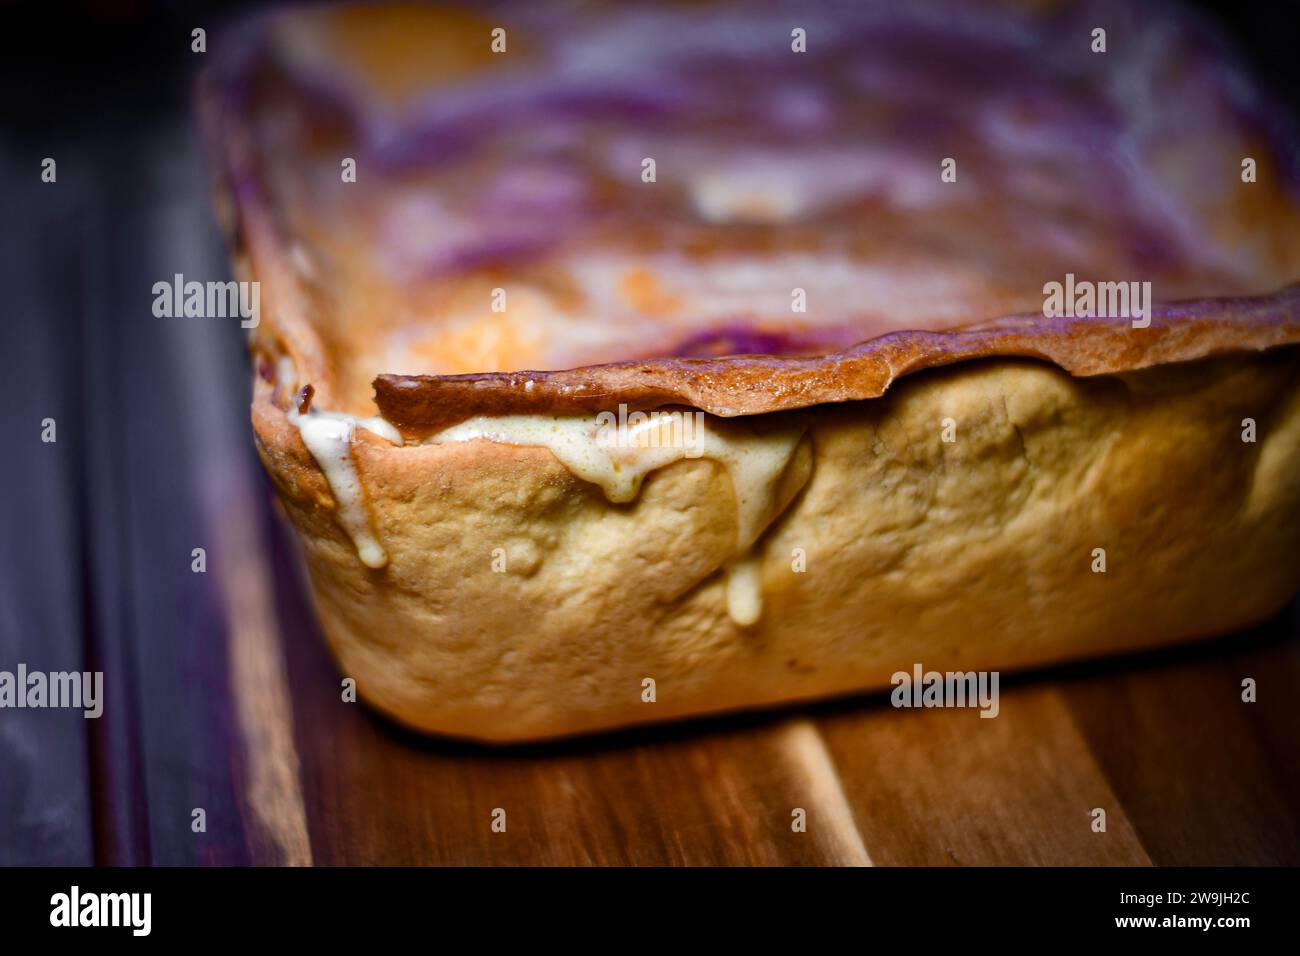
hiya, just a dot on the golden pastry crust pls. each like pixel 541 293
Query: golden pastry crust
pixel 512 599
pixel 975 554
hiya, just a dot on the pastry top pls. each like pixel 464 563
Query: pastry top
pixel 891 168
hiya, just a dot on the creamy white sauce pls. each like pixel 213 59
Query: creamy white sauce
pixel 329 436
pixel 615 460
pixel 753 459
pixel 744 590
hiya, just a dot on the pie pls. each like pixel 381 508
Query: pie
pixel 623 363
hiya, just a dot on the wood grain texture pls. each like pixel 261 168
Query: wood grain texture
pixel 1179 745
pixel 942 787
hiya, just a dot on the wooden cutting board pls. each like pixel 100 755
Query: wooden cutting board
pixel 221 697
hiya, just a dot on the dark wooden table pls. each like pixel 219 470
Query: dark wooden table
pixel 220 694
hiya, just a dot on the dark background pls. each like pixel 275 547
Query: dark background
pixel 154 458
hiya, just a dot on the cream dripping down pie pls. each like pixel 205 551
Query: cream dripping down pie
pixel 760 351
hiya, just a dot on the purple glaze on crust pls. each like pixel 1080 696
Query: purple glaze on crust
pixel 740 338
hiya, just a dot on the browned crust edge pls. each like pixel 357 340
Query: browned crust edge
pixel 758 384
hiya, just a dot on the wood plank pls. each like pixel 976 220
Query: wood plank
pixel 945 786
pixel 233 753
pixel 169 464
pixel 1206 779
pixel 45 785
